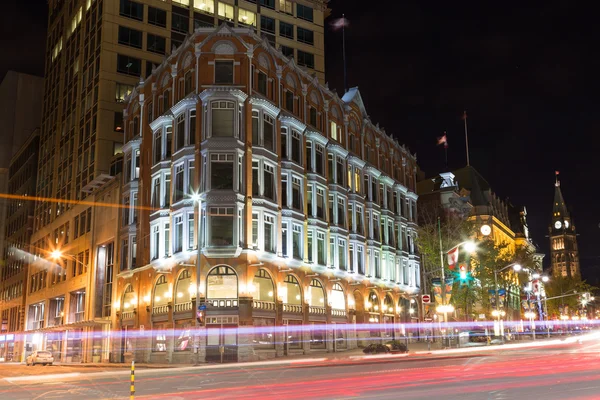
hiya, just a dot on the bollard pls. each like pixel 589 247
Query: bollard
pixel 132 388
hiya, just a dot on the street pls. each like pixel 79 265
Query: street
pixel 568 370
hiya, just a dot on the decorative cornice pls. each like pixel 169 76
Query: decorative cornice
pixel 184 104
pixel 266 105
pixel 316 136
pixel 292 122
pixel 220 90
pixel 165 119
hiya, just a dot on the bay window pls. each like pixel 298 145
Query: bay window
pixel 320 201
pixel 263 179
pixel 296 147
pixel 360 259
pixel 223 119
pixel 190 232
pixel 284 239
pixel 321 248
pixel 297 241
pixel 342 254
pixel 269 233
pixel 358 217
pixel 221 171
pixel 220 225
pixel 179 182
pixel 178 234
pixel 180 133
pixel 297 193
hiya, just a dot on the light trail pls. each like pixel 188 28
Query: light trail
pixel 76 202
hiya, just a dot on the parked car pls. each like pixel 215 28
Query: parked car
pixel 40 357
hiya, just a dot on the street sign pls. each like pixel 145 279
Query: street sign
pixel 426 299
pixel 202 307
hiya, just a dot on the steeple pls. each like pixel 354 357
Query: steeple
pixel 559 208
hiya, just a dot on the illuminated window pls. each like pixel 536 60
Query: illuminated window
pixel 207 6
pixel 246 17
pixel 225 11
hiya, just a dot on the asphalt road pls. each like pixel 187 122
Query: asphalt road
pixel 565 371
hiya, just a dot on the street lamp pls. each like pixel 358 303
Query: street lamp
pixel 516 267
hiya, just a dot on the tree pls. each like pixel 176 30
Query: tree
pixel 571 289
pixel 453 231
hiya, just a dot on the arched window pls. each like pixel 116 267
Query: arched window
pixel 316 294
pixel 129 300
pixel 222 283
pixel 388 305
pixel 184 289
pixel 162 295
pixel 372 303
pixel 263 286
pixel 337 300
pixel 404 310
pixel 292 293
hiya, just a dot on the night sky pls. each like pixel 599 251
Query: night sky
pixel 527 76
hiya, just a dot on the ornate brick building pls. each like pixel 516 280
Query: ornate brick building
pixel 255 192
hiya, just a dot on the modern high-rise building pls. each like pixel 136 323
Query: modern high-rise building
pixel 20 114
pixel 19 226
pixel 564 253
pixel 263 215
pixel 97 51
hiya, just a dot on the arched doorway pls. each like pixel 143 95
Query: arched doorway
pixel 183 311
pixel 128 306
pixel 221 325
pixel 317 315
pixel 291 296
pixel 263 313
pixel 373 312
pixel 337 299
pixel 388 317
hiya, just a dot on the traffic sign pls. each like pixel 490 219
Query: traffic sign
pixel 202 307
pixel 426 298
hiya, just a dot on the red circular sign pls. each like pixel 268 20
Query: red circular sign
pixel 426 298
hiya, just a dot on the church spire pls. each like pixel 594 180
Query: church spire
pixel 559 208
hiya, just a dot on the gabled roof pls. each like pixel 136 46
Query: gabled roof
pixel 353 96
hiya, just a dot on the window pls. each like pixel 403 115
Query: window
pixel 320 203
pixel 187 83
pixel 269 233
pixel 264 333
pixel 267 24
pixel 284 187
pixel 269 182
pixel 223 119
pixel 255 132
pixel 180 132
pixel 304 12
pixel 267 3
pixel 284 152
pixel 305 35
pixel 221 226
pixel 287 51
pixel 246 17
pixel 221 171
pixel 192 127
pixel 131 9
pixel 180 23
pixel 155 242
pixel 225 11
pixel 118 121
pixel 312 116
pixel 178 240
pixel 206 6
pixel 168 141
pixel 321 249
pixel 157 17
pixel 360 259
pixel 156 44
pixel 121 91
pixel 262 83
pixel 297 242
pixel 167 238
pixel 130 37
pixel 286 30
pixel 157 146
pixel 306 59
pixel 182 2
pixel 268 133
pixel 342 254
pixel 359 220
pixel 319 159
pixel 191 239
pixel 341 211
pixel 297 193
pixel 284 239
pixel 167 198
pixel 179 183
pixel 296 146
pixel 289 101
pixel 223 72
pixel 286 6
pixel 129 65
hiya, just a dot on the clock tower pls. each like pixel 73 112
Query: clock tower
pixel 564 255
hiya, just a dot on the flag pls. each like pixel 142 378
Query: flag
pixel 339 23
pixel 556 172
pixel 464 116
pixel 443 140
pixel 453 256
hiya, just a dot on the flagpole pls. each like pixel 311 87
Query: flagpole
pixel 344 50
pixel 466 137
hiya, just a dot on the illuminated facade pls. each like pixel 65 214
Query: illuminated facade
pixel 264 197
pixel 96 52
pixel 564 254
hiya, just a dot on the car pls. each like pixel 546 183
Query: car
pixel 40 357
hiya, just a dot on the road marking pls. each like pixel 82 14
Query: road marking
pixel 44 377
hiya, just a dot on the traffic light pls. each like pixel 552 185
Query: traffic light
pixel 463 272
pixel 200 317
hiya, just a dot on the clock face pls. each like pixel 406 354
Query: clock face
pixel 557 224
pixel 566 224
pixel 486 230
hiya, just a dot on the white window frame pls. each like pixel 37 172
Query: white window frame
pixel 236 118
pixel 220 210
pixel 236 160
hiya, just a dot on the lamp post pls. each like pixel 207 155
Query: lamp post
pixel 516 267
pixel 447 308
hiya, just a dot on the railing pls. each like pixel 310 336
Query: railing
pixel 317 310
pixel 223 302
pixel 292 308
pixel 127 315
pixel 263 305
pixel 160 309
pixel 338 313
pixel 183 306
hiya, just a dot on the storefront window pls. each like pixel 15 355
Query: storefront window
pixel 263 286
pixel 318 333
pixel 294 334
pixel 222 283
pixel 183 336
pixel 264 333
pixel 337 300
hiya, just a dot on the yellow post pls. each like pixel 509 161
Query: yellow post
pixel 132 389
